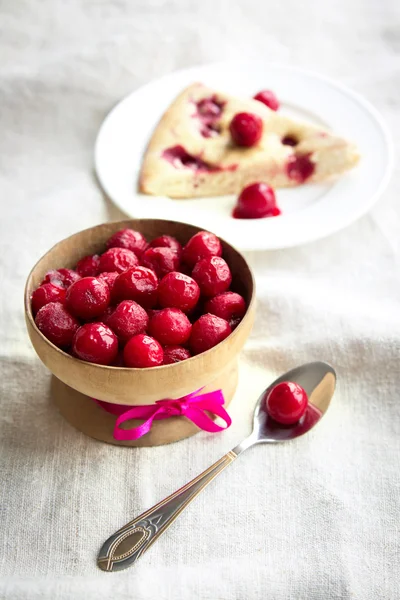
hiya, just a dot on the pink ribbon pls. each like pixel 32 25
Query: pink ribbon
pixel 192 407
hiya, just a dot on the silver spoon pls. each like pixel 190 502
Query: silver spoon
pixel 126 545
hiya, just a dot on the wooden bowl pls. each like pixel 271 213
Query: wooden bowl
pixel 214 369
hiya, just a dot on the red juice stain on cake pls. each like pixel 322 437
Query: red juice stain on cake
pixel 208 112
pixel 182 159
pixel 300 167
pixel 256 201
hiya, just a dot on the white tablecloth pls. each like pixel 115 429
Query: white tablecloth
pixel 317 519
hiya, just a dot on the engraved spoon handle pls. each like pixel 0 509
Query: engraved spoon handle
pixel 127 544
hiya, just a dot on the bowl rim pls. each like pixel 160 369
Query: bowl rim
pixel 29 314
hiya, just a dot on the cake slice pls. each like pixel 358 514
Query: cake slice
pixel 191 152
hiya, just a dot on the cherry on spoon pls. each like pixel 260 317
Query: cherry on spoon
pixel 124 547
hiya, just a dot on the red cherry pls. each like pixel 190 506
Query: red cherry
pixel 109 278
pixel 61 277
pixel 208 331
pixel 300 167
pixel 246 129
pixel 96 343
pixel 143 351
pixel 88 266
pixel 255 202
pixel 201 245
pixel 129 239
pixel 48 292
pixel 87 298
pixel 227 305
pixel 127 320
pixel 55 322
pixel 174 354
pixel 178 291
pixel 139 284
pixel 170 326
pixel 213 275
pixel 160 260
pixel 167 241
pixel 118 259
pixel 268 98
pixel 286 402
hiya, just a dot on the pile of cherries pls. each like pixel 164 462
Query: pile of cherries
pixel 140 304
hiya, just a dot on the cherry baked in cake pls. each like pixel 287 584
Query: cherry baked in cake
pixel 159 304
pixel 209 143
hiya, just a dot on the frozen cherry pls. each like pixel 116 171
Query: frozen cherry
pixel 160 260
pixel 118 259
pixel 201 245
pixel 246 129
pixel 208 331
pixel 87 298
pixel 167 241
pixel 139 284
pixel 174 354
pixel 56 323
pixel 61 277
pixel 129 239
pixel 178 291
pixel 228 305
pixel 268 98
pixel 88 266
pixel 109 277
pixel 170 326
pixel 213 275
pixel 286 402
pixel 143 351
pixel 96 343
pixel 48 292
pixel 128 319
pixel 255 202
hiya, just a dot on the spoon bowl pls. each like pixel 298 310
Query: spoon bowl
pixel 126 545
pixel 318 379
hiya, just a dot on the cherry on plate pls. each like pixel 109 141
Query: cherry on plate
pixel 96 343
pixel 177 290
pixel 127 319
pixel 255 202
pixel 213 275
pixel 128 239
pixel 139 284
pixel 208 331
pixel 286 403
pixel 118 259
pixel 201 245
pixel 174 354
pixel 87 298
pixel 143 351
pixel 246 129
pixel 48 292
pixel 56 324
pixel 268 98
pixel 170 326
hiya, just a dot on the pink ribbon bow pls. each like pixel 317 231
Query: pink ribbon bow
pixel 192 407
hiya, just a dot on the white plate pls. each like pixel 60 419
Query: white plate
pixel 308 212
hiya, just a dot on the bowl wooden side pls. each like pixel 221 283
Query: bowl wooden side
pixel 137 386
